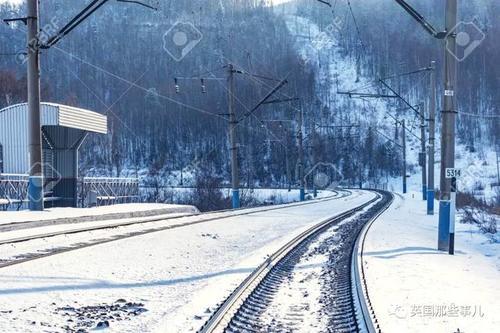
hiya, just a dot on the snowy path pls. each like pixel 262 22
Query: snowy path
pixel 415 288
pixel 175 275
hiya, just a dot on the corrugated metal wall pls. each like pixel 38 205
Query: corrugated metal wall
pixel 14 135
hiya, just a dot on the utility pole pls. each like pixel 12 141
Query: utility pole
pixel 287 162
pixel 423 154
pixel 233 121
pixel 235 182
pixel 300 137
pixel 446 215
pixel 35 185
pixel 498 168
pixel 360 167
pixel 432 140
pixel 404 156
pixel 314 160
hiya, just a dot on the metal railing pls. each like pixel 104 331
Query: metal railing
pixel 13 191
pixel 97 191
pixel 91 191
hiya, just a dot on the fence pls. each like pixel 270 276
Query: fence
pixel 107 191
pixel 91 191
pixel 13 191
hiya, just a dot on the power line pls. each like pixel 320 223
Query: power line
pixel 478 115
pixel 356 25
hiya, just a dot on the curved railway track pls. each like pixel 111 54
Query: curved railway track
pixel 212 216
pixel 243 310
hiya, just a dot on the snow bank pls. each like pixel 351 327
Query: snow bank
pixel 95 213
pixel 415 288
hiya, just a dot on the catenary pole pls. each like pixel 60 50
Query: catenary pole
pixel 235 182
pixel 423 154
pixel 404 156
pixel 300 137
pixel 35 185
pixel 446 215
pixel 432 140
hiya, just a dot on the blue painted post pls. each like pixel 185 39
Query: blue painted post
pixel 236 198
pixel 430 202
pixel 302 194
pixel 35 193
pixel 451 249
pixel 444 225
pixel 424 192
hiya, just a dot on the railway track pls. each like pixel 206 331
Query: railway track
pixel 157 224
pixel 247 309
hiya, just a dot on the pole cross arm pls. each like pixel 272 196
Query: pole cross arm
pixel 365 95
pixel 420 19
pixel 271 93
pixel 274 101
pixel 17 19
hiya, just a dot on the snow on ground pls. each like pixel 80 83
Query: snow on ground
pixel 114 228
pixel 124 210
pixel 415 288
pixel 260 195
pixel 164 273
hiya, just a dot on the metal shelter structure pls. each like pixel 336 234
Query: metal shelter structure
pixel 64 129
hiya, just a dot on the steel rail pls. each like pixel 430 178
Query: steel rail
pixel 222 317
pixel 366 317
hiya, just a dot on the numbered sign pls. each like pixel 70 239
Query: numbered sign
pixel 453 173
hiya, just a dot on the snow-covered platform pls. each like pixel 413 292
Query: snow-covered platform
pixel 415 288
pixel 76 215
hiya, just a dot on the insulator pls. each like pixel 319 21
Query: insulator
pixel 177 88
pixel 203 87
